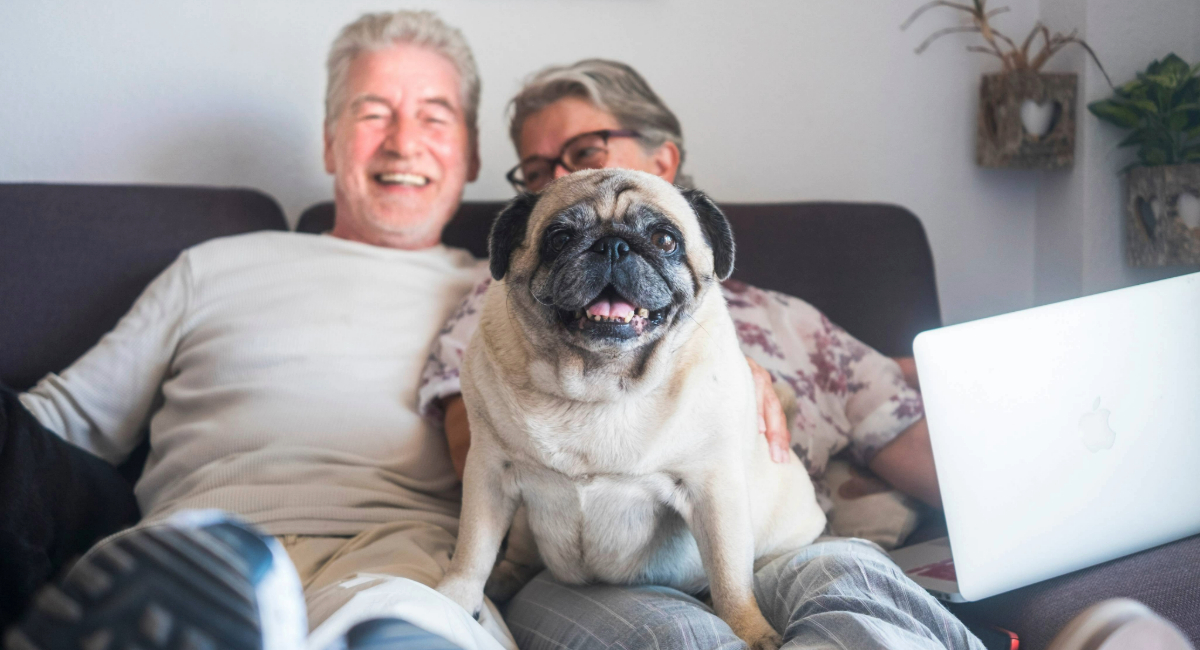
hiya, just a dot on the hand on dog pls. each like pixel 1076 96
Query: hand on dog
pixel 771 421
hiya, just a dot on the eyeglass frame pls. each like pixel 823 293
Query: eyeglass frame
pixel 555 163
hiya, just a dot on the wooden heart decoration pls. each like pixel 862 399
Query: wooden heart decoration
pixel 1038 119
pixel 1187 206
pixel 1147 214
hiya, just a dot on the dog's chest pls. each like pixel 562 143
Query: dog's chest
pixel 610 528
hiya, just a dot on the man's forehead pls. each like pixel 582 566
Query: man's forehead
pixel 404 71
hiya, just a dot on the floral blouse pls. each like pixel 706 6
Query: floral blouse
pixel 847 396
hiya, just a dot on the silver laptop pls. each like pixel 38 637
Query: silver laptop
pixel 1064 436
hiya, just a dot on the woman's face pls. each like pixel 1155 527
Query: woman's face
pixel 545 132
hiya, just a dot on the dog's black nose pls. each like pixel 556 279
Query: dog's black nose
pixel 612 247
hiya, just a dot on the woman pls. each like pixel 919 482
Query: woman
pixel 599 113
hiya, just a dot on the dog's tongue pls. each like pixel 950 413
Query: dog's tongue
pixel 610 309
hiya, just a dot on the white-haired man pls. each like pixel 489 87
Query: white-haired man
pixel 287 366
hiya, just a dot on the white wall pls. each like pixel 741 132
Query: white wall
pixel 1080 234
pixel 789 100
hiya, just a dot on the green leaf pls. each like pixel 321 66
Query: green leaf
pixel 1133 88
pixel 1158 81
pixel 1143 106
pixel 1135 138
pixel 1192 156
pixel 1151 156
pixel 1110 111
pixel 1188 93
pixel 1177 121
pixel 1175 67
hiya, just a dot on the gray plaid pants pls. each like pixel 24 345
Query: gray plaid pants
pixel 837 594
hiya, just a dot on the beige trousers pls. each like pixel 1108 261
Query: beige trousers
pixel 387 570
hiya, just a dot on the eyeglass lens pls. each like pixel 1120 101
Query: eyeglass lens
pixel 589 151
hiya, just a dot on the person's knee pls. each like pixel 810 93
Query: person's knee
pixel 548 614
pixel 831 565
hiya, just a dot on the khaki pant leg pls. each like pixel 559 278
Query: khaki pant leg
pixel 388 570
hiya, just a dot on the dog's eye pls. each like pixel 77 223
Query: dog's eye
pixel 558 240
pixel 665 241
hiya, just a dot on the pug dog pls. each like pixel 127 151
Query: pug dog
pixel 607 396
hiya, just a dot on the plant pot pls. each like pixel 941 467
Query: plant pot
pixel 1047 103
pixel 1162 215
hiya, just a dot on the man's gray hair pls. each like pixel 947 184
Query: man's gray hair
pixel 373 32
pixel 610 86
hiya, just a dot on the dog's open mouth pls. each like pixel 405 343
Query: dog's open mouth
pixel 611 315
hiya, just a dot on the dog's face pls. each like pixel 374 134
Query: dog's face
pixel 609 260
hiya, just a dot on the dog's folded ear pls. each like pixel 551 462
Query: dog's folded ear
pixel 716 231
pixel 507 232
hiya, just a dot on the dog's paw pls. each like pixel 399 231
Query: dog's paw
pixel 507 579
pixel 464 592
pixel 758 634
pixel 769 641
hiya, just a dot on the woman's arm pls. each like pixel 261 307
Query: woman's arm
pixel 458 432
pixel 907 463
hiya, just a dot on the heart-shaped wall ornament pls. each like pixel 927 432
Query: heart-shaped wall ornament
pixel 1147 213
pixel 1187 206
pixel 1037 118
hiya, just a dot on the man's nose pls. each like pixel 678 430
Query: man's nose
pixel 612 247
pixel 561 170
pixel 402 137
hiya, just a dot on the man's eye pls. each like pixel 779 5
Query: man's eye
pixel 665 241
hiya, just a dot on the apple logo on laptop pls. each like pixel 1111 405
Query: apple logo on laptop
pixel 1097 434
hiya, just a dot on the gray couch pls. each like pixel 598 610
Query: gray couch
pixel 74 257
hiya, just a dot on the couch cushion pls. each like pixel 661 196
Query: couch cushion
pixel 74 257
pixel 867 266
pixel 1166 578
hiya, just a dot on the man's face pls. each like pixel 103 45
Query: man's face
pixel 399 150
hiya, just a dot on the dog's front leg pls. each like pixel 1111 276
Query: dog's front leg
pixel 489 500
pixel 719 519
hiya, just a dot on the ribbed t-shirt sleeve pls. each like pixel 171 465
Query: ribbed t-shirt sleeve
pixel 441 377
pixel 101 402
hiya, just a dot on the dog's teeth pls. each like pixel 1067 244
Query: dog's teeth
pixel 644 313
pixel 628 317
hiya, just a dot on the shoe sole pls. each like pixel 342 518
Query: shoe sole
pixel 165 588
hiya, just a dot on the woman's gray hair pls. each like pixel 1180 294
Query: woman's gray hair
pixel 610 86
pixel 373 32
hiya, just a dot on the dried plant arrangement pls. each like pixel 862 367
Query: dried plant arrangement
pixel 1013 57
pixel 1026 117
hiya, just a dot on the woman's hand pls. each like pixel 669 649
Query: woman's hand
pixel 771 420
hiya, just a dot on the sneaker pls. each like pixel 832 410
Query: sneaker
pixel 1119 624
pixel 388 633
pixel 199 581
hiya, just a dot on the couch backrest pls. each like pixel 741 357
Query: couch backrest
pixel 73 258
pixel 866 265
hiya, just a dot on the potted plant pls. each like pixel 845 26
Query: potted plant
pixel 1162 108
pixel 1026 118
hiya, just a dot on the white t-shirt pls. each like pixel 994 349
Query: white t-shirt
pixel 280 373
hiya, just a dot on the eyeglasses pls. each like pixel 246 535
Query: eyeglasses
pixel 584 151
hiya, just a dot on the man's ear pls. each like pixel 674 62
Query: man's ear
pixel 508 230
pixel 716 230
pixel 327 152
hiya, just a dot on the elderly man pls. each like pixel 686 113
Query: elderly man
pixel 287 368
